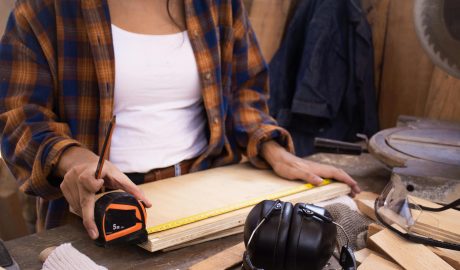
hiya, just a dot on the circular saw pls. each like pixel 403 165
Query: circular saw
pixel 437 23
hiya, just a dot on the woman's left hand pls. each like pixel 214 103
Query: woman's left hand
pixel 292 167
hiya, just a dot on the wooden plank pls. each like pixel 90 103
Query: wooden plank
pixel 362 254
pixel 443 97
pixel 445 223
pixel 191 194
pixel 407 71
pixel 214 236
pixel 452 257
pixel 374 228
pixel 374 261
pixel 408 255
pixel 365 202
pixel 268 19
pixel 443 226
pixel 186 233
pixel 222 260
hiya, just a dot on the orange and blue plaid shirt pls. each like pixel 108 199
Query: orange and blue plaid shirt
pixel 57 88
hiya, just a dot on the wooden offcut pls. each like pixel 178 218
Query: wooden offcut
pixel 362 254
pixel 443 226
pixel 452 257
pixel 373 262
pixel 408 255
pixel 188 195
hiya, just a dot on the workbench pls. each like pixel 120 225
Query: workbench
pixel 370 174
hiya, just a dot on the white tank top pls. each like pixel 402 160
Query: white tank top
pixel 158 102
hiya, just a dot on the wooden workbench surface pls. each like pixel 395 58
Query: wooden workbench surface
pixel 366 170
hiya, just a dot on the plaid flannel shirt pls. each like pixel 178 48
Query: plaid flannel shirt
pixel 57 88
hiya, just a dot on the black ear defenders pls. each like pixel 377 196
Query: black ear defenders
pixel 280 236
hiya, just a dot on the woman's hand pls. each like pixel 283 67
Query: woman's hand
pixel 292 167
pixel 78 166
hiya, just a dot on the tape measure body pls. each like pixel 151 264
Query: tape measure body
pixel 120 218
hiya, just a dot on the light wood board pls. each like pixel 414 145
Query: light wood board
pixel 189 232
pixel 443 226
pixel 362 254
pixel 452 257
pixel 408 255
pixel 373 262
pixel 214 236
pixel 191 194
pixel 187 195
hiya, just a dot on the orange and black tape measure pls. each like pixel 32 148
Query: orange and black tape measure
pixel 120 218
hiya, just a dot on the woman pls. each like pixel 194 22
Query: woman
pixel 186 80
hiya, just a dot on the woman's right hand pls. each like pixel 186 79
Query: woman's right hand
pixel 78 166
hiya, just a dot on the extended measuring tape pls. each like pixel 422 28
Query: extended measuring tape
pixel 231 208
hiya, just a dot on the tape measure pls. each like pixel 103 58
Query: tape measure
pixel 231 208
pixel 120 218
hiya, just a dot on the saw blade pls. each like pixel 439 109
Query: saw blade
pixel 437 23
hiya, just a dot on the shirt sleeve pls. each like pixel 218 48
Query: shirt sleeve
pixel 32 137
pixel 252 122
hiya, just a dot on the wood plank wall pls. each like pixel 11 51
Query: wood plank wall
pixel 406 80
pixel 5 8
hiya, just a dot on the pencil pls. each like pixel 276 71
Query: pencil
pixel 105 147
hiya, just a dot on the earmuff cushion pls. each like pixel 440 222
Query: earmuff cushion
pixel 310 242
pixel 268 247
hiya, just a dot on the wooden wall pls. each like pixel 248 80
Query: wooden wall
pixel 407 82
pixel 5 8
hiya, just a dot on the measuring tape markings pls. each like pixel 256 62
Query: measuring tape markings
pixel 231 208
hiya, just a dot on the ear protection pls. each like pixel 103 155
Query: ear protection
pixel 280 236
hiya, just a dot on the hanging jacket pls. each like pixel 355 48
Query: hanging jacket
pixel 321 78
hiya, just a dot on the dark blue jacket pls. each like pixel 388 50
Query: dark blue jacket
pixel 322 76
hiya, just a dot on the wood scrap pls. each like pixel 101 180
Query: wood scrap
pixel 443 226
pixel 408 255
pixel 223 260
pixel 374 228
pixel 362 254
pixel 452 257
pixel 374 261
pixel 365 202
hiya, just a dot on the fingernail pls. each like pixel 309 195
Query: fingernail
pixel 318 180
pixel 93 233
